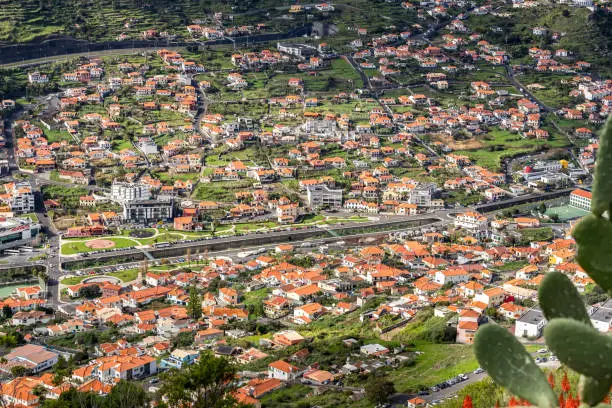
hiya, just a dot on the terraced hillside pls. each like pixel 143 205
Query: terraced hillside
pixel 25 20
pixel 586 35
pixel 102 20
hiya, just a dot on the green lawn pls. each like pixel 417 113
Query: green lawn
pixel 127 275
pixel 73 280
pixel 163 237
pixel 511 266
pixel 499 144
pixel 76 247
pixel 438 363
pixel 31 216
pixel 298 396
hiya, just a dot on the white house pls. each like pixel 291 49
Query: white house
pixel 602 317
pixel 530 324
pixel 452 276
pixel 283 371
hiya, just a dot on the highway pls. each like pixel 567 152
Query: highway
pixel 338 232
pixel 59 49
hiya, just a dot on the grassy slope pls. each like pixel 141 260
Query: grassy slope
pixel 587 35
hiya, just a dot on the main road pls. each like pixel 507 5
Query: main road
pixel 337 232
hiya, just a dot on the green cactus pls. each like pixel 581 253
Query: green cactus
pixel 508 363
pixel 592 390
pixel 592 234
pixel 602 182
pixel 566 301
pixel 581 347
pixel 570 333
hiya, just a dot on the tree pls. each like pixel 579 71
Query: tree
pixel 19 371
pixel 40 392
pixel 542 208
pixel 7 312
pixel 75 399
pixel 467 402
pixel 378 389
pixel 207 384
pixel 194 307
pixel 8 340
pixel 90 291
pixel 126 395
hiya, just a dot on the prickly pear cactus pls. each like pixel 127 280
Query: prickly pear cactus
pixel 570 333
pixel 594 237
pixel 509 364
pixel 581 347
pixel 602 181
pixel 558 297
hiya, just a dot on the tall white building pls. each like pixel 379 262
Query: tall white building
pixel 581 199
pixel 323 196
pixel 19 197
pixel 130 191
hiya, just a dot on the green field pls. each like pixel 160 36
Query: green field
pixel 438 363
pixel 75 247
pixel 500 144
pixel 127 275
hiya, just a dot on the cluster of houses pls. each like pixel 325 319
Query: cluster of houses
pixel 454 277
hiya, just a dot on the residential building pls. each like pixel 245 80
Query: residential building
pixel 322 196
pixel 581 198
pixel 601 317
pixel 530 324
pixel 179 358
pixel 148 211
pixel 130 191
pixel 33 357
pixel 18 197
pixel 298 50
pixel 281 370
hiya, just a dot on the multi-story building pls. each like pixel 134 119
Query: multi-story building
pixel 180 358
pixel 471 221
pixel 15 232
pixel 130 191
pixel 33 357
pixel 299 50
pixel 580 198
pixel 19 197
pixel 148 211
pixel 111 369
pixel 601 317
pixel 421 194
pixel 323 196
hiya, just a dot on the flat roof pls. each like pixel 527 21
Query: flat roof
pixel 533 316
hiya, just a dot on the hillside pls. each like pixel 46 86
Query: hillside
pixel 25 20
pixel 103 20
pixel 587 35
